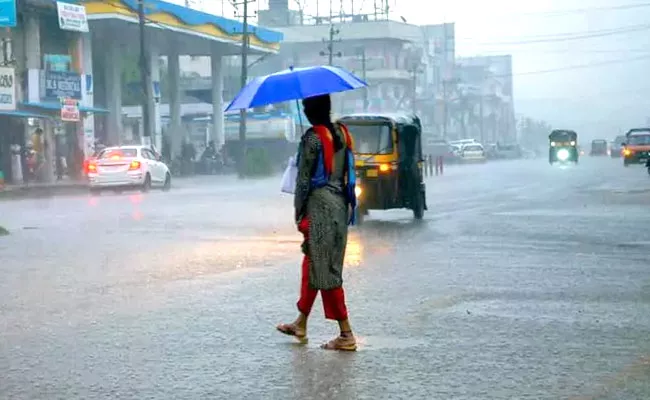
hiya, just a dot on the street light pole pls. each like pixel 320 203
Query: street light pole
pixel 363 75
pixel 145 80
pixel 244 80
pixel 445 99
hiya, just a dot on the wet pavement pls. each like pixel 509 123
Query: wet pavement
pixel 523 282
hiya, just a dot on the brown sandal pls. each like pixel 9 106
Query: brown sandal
pixel 293 330
pixel 341 343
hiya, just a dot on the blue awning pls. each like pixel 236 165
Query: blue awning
pixel 94 110
pixel 23 114
pixel 55 106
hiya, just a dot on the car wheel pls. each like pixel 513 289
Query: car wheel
pixel 147 183
pixel 168 183
pixel 95 191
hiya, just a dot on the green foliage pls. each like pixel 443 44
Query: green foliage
pixel 258 163
pixel 3 231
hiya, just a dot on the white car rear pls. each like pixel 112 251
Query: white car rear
pixel 128 167
pixel 473 152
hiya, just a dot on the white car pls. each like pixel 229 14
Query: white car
pixel 128 167
pixel 473 152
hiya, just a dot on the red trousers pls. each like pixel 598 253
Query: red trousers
pixel 333 299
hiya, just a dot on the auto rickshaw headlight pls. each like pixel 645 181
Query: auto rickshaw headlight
pixel 563 154
pixel 384 167
pixel 357 191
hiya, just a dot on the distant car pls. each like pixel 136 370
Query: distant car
pixel 473 152
pixel 637 147
pixel 599 147
pixel 128 167
pixel 616 150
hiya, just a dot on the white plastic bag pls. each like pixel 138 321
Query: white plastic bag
pixel 290 175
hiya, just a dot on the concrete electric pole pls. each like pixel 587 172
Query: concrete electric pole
pixel 244 79
pixel 330 45
pixel 145 77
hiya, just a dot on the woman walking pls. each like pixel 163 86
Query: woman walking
pixel 323 205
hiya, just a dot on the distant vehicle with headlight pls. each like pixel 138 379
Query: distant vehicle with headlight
pixel 127 167
pixel 389 162
pixel 636 149
pixel 563 147
pixel 599 147
pixel 616 149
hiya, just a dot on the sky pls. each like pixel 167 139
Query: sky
pixel 579 64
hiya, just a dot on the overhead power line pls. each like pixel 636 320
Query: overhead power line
pixel 570 36
pixel 579 66
pixel 587 9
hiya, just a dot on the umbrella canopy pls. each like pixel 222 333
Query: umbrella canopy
pixel 294 84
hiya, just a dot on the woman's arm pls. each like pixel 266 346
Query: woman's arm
pixel 309 148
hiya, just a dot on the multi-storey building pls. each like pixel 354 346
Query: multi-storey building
pixel 484 98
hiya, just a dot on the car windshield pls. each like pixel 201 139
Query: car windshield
pixel 561 137
pixel 474 147
pixel 639 140
pixel 371 139
pixel 118 153
pixel 619 140
pixel 599 144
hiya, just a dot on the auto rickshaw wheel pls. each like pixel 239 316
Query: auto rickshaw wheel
pixel 418 208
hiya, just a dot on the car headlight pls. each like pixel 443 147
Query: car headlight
pixel 573 143
pixel 563 154
pixel 357 191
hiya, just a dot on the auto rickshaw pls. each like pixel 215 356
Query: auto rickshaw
pixel 389 162
pixel 563 147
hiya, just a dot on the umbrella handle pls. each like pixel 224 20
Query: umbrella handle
pixel 299 114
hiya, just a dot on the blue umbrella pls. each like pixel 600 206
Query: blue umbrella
pixel 294 84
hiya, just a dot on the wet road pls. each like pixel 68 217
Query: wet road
pixel 523 282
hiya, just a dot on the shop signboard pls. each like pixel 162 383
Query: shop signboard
pixel 70 110
pixel 7 13
pixel 7 89
pixel 62 84
pixel 72 17
pixel 57 62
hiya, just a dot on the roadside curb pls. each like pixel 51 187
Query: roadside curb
pixel 38 191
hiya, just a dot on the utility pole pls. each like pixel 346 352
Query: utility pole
pixel 363 75
pixel 330 45
pixel 445 113
pixel 414 94
pixel 244 80
pixel 361 52
pixel 145 77
pixel 481 119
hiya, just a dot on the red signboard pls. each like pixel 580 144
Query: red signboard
pixel 70 110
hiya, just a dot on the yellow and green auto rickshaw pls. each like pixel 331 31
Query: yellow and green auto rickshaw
pixel 389 162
